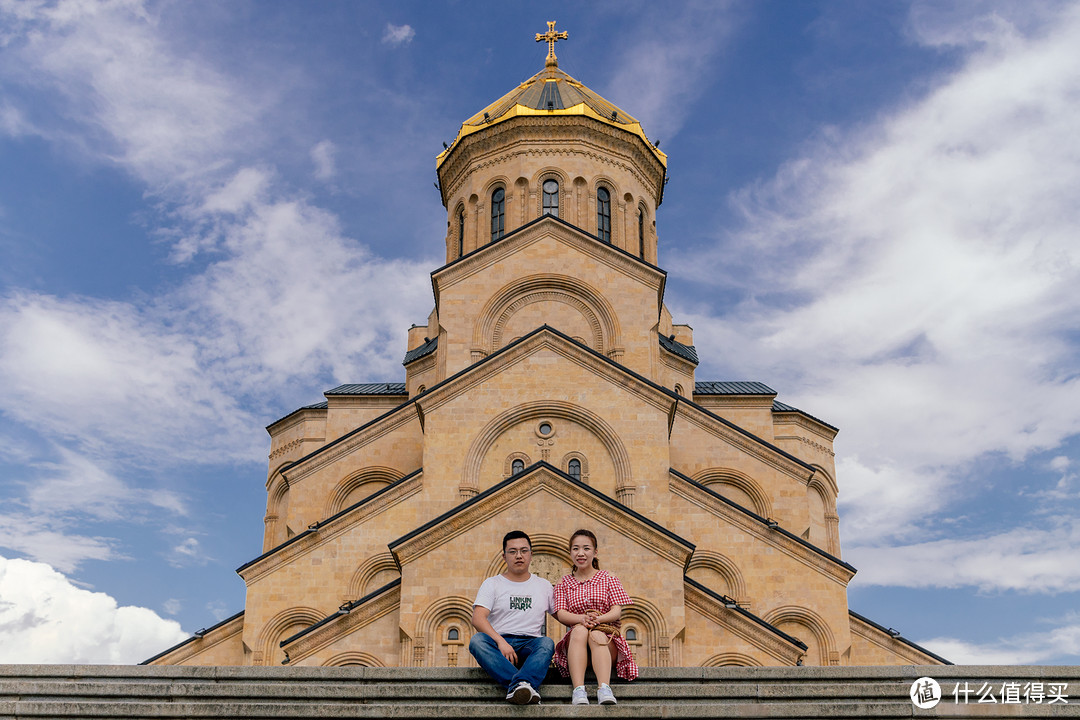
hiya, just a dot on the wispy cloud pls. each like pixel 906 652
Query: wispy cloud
pixel 397 35
pixel 1025 649
pixel 914 278
pixel 662 70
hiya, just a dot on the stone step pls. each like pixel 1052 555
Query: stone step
pixel 236 693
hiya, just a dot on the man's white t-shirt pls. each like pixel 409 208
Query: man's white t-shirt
pixel 517 608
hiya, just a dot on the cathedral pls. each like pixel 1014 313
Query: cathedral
pixel 550 389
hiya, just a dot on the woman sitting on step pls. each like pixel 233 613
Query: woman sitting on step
pixel 589 601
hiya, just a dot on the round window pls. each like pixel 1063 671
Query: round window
pixel 550 186
pixel 545 428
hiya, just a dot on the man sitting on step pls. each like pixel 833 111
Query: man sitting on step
pixel 509 615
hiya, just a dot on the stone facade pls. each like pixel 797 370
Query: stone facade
pixel 549 390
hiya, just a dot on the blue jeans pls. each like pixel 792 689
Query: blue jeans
pixel 534 654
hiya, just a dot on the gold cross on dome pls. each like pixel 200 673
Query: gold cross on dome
pixel 551 37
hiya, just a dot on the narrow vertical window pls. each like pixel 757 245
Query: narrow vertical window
pixel 517 466
pixel 551 197
pixel 498 213
pixel 573 469
pixel 603 214
pixel 461 232
pixel 641 233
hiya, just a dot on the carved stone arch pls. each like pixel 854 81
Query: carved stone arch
pixel 598 312
pixel 746 485
pixel 485 439
pixel 556 546
pixel 655 644
pixel 355 659
pixel 375 477
pixel 456 231
pixel 276 529
pixel 372 574
pixel 550 172
pixel 811 628
pixel 472 223
pixel 823 484
pixel 508 466
pixel 285 624
pixel 603 181
pixel 731 659
pixel 564 464
pixel 724 567
pixel 455 609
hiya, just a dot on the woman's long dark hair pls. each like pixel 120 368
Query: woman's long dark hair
pixel 588 534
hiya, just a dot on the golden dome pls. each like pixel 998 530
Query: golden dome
pixel 551 92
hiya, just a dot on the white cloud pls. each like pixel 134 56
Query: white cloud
pixel 46 619
pixel 323 157
pixel 1027 649
pixel 397 35
pixel 186 553
pixel 122 92
pixel 49 540
pixel 172 606
pixel 663 70
pixel 928 267
pixel 1031 559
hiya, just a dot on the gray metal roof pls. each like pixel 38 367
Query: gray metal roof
pixel 384 388
pixel 732 387
pixel 687 352
pixel 418 352
pixel 778 406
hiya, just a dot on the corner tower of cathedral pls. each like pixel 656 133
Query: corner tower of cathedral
pixel 549 390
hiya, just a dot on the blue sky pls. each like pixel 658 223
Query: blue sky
pixel 212 212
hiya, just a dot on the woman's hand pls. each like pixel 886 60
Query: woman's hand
pixel 589 619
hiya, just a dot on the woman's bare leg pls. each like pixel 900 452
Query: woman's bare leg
pixel 577 654
pixel 601 657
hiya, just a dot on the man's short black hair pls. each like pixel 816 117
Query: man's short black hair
pixel 515 535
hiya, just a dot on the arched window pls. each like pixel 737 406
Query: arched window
pixel 631 634
pixel 641 233
pixel 573 469
pixel 517 466
pixel 551 197
pixel 498 213
pixel 453 634
pixel 461 232
pixel 603 214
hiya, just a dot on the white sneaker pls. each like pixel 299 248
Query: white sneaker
pixel 523 694
pixel 580 696
pixel 604 696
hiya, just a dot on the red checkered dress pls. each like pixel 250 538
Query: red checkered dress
pixel 599 593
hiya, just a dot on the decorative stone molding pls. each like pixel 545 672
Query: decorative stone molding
pixel 742 481
pixel 769 643
pixel 336 500
pixel 807 441
pixel 343 624
pixel 795 550
pixel 813 622
pixel 541 480
pixel 259 568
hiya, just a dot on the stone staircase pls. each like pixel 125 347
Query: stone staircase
pixel 237 693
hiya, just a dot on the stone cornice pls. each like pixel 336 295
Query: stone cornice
pixel 873 633
pixel 507 138
pixel 801 420
pixel 342 623
pixel 197 644
pixel 541 477
pixel 807 441
pixel 818 561
pixel 331 528
pixel 349 443
pixel 745 628
pixel 734 401
pixel 751 444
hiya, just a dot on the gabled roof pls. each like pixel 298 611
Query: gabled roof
pixel 198 635
pixel 687 352
pixel 781 407
pixel 603 359
pixel 343 610
pixel 524 477
pixel 730 604
pixel 418 352
pixel 897 636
